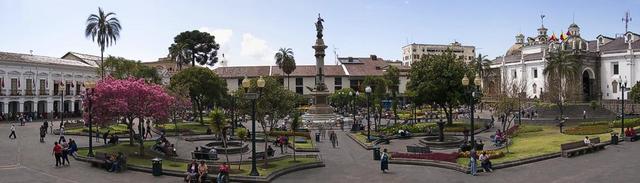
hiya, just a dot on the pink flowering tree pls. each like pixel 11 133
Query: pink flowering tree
pixel 128 99
pixel 178 109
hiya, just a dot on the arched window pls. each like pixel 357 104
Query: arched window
pixel 614 86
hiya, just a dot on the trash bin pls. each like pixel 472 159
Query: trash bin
pixel 156 166
pixel 317 137
pixel 376 153
pixel 614 139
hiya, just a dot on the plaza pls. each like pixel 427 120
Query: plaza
pixel 183 98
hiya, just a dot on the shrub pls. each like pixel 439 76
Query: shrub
pixel 493 154
pixel 459 127
pixel 588 130
pixel 597 123
pixel 633 122
pixel 449 157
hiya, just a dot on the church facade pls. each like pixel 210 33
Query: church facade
pixel 604 63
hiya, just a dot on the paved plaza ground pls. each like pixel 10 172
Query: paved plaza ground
pixel 27 160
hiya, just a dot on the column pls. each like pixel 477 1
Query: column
pixel 71 109
pixel 5 107
pixel 20 107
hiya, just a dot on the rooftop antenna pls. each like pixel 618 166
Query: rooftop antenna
pixel 626 19
pixel 542 19
pixel 573 18
pixel 335 52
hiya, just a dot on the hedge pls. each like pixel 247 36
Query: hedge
pixel 288 133
pixel 449 157
pixel 588 130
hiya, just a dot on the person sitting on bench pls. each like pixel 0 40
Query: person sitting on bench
pixel 587 142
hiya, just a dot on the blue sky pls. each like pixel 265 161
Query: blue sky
pixel 252 30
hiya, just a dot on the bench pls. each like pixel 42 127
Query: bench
pixel 203 156
pixel 100 160
pixel 418 149
pixel 260 154
pixel 578 148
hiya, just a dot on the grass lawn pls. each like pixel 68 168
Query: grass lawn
pixel 532 144
pixel 361 138
pixel 310 144
pixel 115 129
pixel 195 127
pixel 145 161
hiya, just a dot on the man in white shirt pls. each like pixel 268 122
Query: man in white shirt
pixel 587 141
pixel 13 132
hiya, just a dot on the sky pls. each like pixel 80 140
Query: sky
pixel 251 31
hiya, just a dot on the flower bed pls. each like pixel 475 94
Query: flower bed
pixel 493 154
pixel 417 128
pixel 448 157
pixel 588 130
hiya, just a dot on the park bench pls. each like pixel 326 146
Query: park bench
pixel 100 160
pixel 418 149
pixel 260 154
pixel 203 156
pixel 578 148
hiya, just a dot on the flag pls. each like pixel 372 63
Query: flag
pixel 553 37
pixel 568 33
pixel 563 37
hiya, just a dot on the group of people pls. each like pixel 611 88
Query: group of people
pixel 631 133
pixel 283 143
pixel 484 159
pixel 498 138
pixel 62 150
pixel 198 172
pixel 163 145
pixel 114 162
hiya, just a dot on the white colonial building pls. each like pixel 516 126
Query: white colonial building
pixel 604 62
pixel 30 84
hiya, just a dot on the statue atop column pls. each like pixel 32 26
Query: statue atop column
pixel 319 27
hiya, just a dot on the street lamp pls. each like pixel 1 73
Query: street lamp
pixel 246 83
pixel 61 90
pixel 89 88
pixel 367 90
pixel 623 87
pixel 474 91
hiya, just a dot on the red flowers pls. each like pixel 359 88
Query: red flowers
pixel 449 157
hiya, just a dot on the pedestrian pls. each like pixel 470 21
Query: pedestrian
pixel 97 134
pixel 281 144
pixel 61 139
pixel 57 153
pixel 584 114
pixel 46 125
pixel 13 132
pixel 472 162
pixel 73 148
pixel 43 132
pixel 333 137
pixel 105 135
pixel 51 128
pixel 384 161
pixel 65 153
pixel 148 130
pixel 485 162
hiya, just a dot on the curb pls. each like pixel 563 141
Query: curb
pixel 433 163
pixel 526 161
pixel 365 146
pixel 262 179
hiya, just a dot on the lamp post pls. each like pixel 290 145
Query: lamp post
pixel 89 88
pixel 246 83
pixel 367 90
pixel 61 90
pixel 623 87
pixel 474 91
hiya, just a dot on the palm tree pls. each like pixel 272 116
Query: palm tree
pixel 104 29
pixel 286 62
pixel 484 63
pixel 562 69
pixel 179 54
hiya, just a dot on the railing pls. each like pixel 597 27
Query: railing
pixel 43 92
pixel 29 92
pixel 15 92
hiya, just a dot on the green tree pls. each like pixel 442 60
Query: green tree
pixel 219 127
pixel 104 29
pixel 341 99
pixel 286 62
pixel 562 72
pixel 378 86
pixel 197 47
pixel 392 75
pixel 634 94
pixel 295 124
pixel 121 68
pixel 437 80
pixel 242 134
pixel 204 87
pixel 179 53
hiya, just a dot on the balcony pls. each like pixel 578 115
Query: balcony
pixel 13 92
pixel 43 92
pixel 29 92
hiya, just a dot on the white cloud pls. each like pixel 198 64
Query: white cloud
pixel 223 36
pixel 255 48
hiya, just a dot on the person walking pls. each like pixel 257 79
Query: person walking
pixel 148 130
pixel 333 139
pixel 57 153
pixel 65 153
pixel 13 132
pixel 472 163
pixel 384 161
pixel 97 134
pixel 105 135
pixel 43 132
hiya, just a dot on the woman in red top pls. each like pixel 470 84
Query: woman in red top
pixel 223 172
pixel 57 152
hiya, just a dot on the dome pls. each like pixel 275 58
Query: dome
pixel 515 49
pixel 573 25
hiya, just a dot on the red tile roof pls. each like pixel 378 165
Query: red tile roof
pixel 249 71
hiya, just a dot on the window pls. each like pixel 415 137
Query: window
pixel 42 87
pixel 535 73
pixel 616 70
pixel 514 73
pixel 298 81
pixel 614 86
pixel 299 90
pixel 338 81
pixel 55 88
